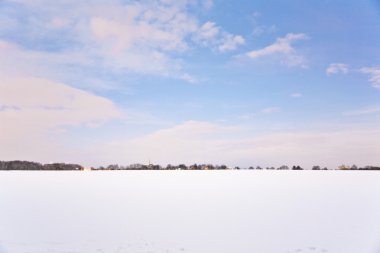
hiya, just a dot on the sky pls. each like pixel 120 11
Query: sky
pixel 241 83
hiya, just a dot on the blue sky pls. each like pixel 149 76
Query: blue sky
pixel 234 82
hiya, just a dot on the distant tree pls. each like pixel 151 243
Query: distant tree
pixel 316 167
pixel 210 167
pixel 182 167
pixel 113 167
pixel 193 167
pixel 136 166
pixel 169 167
pixel 62 166
pixel 222 167
pixel 370 168
pixel 354 167
pixel 20 165
pixel 154 167
pixel 296 168
pixel 283 167
pixel 203 167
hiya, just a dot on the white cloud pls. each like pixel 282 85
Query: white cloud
pixel 32 109
pixel 282 46
pixel 17 61
pixel 230 42
pixel 45 103
pixel 335 68
pixel 375 75
pixel 206 33
pixel 35 114
pixel 137 34
pixel 124 37
pixel 146 32
pixel 296 95
pixel 210 35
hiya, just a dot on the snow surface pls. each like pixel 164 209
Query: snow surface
pixel 189 211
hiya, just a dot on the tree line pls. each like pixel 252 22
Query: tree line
pixel 27 165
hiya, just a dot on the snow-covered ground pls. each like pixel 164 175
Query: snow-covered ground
pixel 190 211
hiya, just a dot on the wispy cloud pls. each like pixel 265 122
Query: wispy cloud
pixel 246 116
pixel 264 111
pixel 296 95
pixel 206 33
pixel 122 36
pixel 270 110
pixel 363 111
pixel 230 42
pixel 283 46
pixel 210 35
pixel 188 78
pixel 129 36
pixel 258 29
pixel 374 73
pixel 335 68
